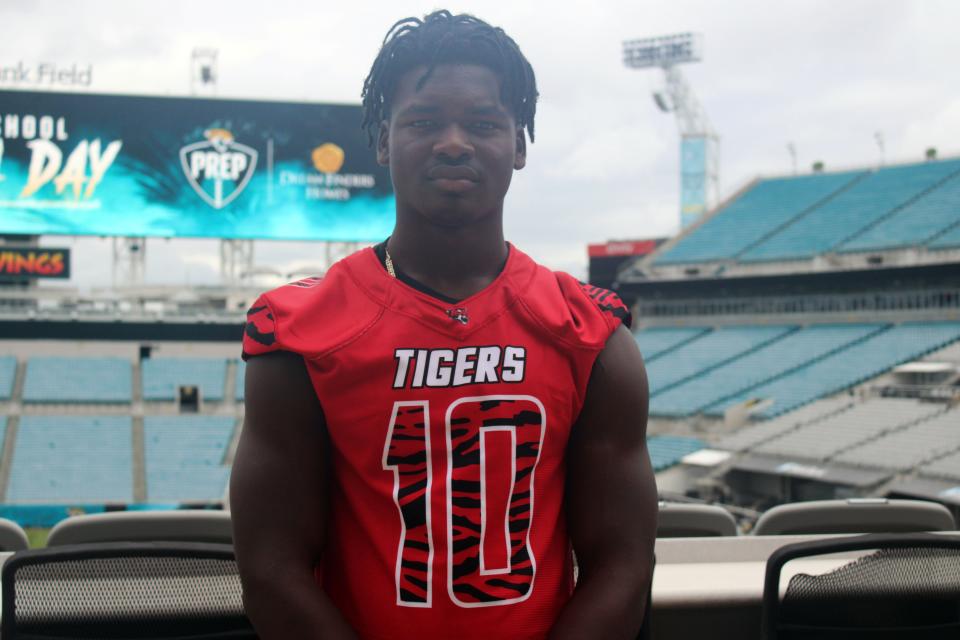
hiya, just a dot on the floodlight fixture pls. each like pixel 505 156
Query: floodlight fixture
pixel 662 101
pixel 663 51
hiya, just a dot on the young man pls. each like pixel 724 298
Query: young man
pixel 433 425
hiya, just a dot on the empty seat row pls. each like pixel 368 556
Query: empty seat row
pixel 761 210
pixel 162 377
pixel 769 361
pixel 847 367
pixel 798 217
pixel 910 447
pixel 655 341
pixel 851 211
pixel 56 379
pixel 70 459
pixel 864 421
pixel 89 460
pixel 110 380
pixel 749 437
pixel 711 349
pixel 666 451
pixel 185 457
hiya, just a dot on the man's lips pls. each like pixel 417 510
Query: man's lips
pixel 453 172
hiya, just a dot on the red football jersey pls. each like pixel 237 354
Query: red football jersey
pixel 449 425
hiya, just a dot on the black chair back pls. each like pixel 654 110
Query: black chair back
pixel 168 591
pixel 880 586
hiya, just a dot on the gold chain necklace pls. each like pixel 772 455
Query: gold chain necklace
pixel 388 263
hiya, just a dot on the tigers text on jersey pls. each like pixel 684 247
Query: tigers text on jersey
pixel 448 427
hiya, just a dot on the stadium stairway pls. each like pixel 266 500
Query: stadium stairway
pixel 230 382
pixel 9 435
pixel 139 466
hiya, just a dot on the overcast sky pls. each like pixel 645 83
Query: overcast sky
pixel 825 75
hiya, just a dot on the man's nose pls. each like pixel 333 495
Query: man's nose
pixel 453 143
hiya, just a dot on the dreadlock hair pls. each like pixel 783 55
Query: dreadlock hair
pixel 443 38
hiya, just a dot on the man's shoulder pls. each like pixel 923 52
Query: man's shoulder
pixel 572 310
pixel 311 316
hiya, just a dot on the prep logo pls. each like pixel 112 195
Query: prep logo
pixel 218 168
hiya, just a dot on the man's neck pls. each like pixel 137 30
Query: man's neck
pixel 457 262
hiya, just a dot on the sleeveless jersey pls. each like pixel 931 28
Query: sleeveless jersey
pixel 448 426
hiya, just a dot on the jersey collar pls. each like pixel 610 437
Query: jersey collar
pixel 457 320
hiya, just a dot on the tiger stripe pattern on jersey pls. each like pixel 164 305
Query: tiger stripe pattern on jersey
pixel 407 453
pixel 608 302
pixel 468 584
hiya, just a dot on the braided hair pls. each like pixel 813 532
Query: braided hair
pixel 443 38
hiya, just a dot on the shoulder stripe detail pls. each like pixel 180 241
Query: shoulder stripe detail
pixel 608 302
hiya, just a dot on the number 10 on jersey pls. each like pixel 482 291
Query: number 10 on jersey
pixel 492 448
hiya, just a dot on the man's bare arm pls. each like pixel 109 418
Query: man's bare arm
pixel 611 499
pixel 278 498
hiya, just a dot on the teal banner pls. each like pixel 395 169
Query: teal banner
pixel 109 165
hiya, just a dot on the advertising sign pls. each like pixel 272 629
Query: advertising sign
pixel 693 179
pixel 84 164
pixel 33 262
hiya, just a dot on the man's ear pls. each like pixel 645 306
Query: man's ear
pixel 383 144
pixel 520 161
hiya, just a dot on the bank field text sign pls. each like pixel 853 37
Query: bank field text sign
pixel 81 164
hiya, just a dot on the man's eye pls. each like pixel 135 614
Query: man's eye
pixel 484 126
pixel 422 124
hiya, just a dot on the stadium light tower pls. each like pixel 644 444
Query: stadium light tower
pixel 699 143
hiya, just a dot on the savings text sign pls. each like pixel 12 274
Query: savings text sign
pixel 83 164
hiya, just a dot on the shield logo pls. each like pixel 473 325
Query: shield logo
pixel 218 168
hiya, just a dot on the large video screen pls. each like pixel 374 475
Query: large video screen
pixel 86 164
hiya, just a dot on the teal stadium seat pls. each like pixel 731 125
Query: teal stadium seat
pixel 163 376
pixel 776 358
pixel 656 341
pixel 851 211
pixel 915 224
pixel 8 371
pixel 184 457
pixel 948 240
pixel 72 460
pixel 708 351
pixel 666 451
pixel 759 211
pixel 78 380
pixel 848 367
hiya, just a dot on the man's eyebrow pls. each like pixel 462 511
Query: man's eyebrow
pixel 419 108
pixel 488 110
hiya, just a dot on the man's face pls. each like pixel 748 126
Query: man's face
pixel 452 146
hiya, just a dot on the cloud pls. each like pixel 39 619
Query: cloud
pixel 821 74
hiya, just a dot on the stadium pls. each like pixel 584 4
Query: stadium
pixel 801 337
